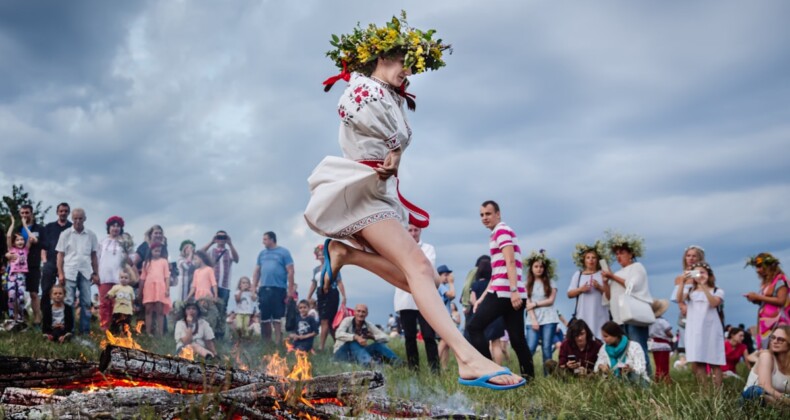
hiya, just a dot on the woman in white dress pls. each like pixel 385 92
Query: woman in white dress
pixel 692 255
pixel 705 333
pixel 356 197
pixel 626 249
pixel 588 287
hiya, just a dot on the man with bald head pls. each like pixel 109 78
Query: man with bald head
pixel 352 341
pixel 78 265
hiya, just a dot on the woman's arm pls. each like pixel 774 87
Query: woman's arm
pixel 310 292
pixel 746 359
pixel 713 300
pixel 765 367
pixel 548 301
pixel 778 300
pixel 10 235
pixel 342 290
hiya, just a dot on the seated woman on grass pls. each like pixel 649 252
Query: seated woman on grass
pixel 579 351
pixel 193 332
pixel 769 379
pixel 621 357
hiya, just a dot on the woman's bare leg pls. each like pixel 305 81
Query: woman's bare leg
pixel 401 262
pixel 324 332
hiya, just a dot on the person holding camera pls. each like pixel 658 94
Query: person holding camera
pixel 704 329
pixel 223 255
pixel 579 350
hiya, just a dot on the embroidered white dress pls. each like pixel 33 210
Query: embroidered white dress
pixel 345 195
pixel 704 332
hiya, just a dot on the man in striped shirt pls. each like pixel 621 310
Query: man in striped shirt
pixel 506 293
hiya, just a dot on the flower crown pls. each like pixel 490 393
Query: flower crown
pixel 549 264
pixel 764 259
pixel 702 264
pixel 634 243
pixel 599 248
pixel 355 52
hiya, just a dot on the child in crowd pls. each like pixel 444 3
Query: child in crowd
pixel 245 307
pixel 313 309
pixel 154 282
pixel 204 291
pixel 123 295
pixel 306 330
pixel 660 343
pixel 255 325
pixel 18 250
pixel 58 317
pixel 704 330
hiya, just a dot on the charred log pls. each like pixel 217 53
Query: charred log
pixel 27 397
pixel 27 372
pixel 172 371
pixel 329 386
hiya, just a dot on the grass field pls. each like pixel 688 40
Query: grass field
pixel 552 397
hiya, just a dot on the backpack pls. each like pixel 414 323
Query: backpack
pixel 720 309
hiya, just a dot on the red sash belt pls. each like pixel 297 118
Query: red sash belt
pixel 417 216
pixel 662 340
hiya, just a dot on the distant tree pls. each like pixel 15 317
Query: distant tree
pixel 11 204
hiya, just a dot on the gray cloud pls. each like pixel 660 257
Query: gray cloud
pixel 667 121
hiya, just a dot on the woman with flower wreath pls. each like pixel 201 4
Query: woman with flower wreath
pixel 626 249
pixel 541 314
pixel 774 309
pixel 356 198
pixel 588 287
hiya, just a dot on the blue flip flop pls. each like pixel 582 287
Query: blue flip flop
pixel 482 381
pixel 327 268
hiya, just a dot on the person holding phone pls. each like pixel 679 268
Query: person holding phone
pixel 579 350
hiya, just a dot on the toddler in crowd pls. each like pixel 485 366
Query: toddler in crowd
pixel 306 330
pixel 18 250
pixel 123 295
pixel 58 317
pixel 245 306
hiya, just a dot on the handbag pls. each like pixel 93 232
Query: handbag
pixel 342 313
pixel 634 310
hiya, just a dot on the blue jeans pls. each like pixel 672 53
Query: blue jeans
pixel 82 284
pixel 364 355
pixel 640 335
pixel 546 335
pixel 753 393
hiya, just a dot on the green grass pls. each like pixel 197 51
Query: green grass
pixel 594 398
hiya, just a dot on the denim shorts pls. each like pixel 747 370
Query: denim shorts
pixel 271 301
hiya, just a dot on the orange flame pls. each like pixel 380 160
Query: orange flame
pixel 139 326
pixel 288 346
pixel 276 365
pixel 121 341
pixel 302 370
pixel 187 353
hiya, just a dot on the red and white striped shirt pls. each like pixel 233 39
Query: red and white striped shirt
pixel 501 236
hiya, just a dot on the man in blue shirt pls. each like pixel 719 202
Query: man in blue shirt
pixel 274 279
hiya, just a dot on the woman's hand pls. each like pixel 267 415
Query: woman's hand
pixel 535 326
pixel 572 364
pixel 753 297
pixel 390 165
pixel 587 287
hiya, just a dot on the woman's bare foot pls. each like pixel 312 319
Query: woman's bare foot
pixel 337 254
pixel 481 366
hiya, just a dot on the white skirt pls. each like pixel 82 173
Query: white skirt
pixel 346 196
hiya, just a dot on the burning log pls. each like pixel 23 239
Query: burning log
pixel 27 372
pixel 329 386
pixel 175 372
pixel 27 397
pixel 393 407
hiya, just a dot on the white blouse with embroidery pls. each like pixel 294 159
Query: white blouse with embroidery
pixel 347 196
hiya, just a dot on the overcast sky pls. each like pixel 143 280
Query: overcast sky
pixel 666 119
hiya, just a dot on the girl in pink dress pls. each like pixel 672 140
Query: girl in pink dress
pixel 156 292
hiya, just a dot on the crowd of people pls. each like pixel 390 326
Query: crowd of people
pixel 616 322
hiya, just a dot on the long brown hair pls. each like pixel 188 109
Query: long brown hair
pixel 770 270
pixel 786 368
pixel 543 279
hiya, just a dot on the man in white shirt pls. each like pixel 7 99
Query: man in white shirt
pixel 410 316
pixel 78 265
